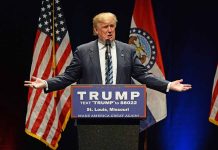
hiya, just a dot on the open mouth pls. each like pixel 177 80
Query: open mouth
pixel 109 36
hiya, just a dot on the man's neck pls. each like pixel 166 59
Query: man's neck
pixel 103 42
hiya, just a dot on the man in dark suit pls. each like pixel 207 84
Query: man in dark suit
pixel 88 63
pixel 94 63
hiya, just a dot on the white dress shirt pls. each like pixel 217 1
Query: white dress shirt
pixel 102 50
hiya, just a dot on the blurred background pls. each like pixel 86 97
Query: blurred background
pixel 187 31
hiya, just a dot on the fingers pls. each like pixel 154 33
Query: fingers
pixel 187 87
pixel 27 82
pixel 29 85
pixel 180 80
pixel 177 81
pixel 26 85
pixel 30 82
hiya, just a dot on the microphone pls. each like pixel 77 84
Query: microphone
pixel 108 46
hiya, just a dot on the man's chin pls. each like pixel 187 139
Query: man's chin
pixel 110 38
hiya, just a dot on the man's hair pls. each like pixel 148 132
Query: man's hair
pixel 100 18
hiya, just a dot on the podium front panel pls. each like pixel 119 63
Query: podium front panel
pixel 108 101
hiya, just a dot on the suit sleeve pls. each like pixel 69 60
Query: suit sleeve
pixel 71 74
pixel 140 74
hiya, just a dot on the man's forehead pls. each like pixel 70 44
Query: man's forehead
pixel 107 22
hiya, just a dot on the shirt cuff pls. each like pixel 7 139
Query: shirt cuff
pixel 46 84
pixel 168 87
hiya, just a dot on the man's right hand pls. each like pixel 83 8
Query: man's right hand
pixel 36 83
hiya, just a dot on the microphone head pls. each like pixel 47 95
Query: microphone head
pixel 107 42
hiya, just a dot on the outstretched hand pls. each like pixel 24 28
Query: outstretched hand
pixel 36 83
pixel 179 87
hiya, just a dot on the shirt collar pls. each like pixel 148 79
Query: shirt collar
pixel 102 46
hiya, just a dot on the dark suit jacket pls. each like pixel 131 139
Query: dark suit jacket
pixel 85 68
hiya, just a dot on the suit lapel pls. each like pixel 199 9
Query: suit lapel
pixel 120 61
pixel 94 55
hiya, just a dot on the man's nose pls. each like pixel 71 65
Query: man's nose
pixel 109 29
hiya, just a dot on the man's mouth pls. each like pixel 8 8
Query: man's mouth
pixel 109 36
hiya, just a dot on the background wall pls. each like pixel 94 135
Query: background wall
pixel 187 31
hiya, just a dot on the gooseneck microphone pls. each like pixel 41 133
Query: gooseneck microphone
pixel 108 46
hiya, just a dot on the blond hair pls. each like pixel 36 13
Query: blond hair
pixel 101 17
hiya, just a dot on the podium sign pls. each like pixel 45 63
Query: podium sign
pixel 108 101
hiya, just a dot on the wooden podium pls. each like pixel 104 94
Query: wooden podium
pixel 108 116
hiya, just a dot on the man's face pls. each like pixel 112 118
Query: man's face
pixel 106 29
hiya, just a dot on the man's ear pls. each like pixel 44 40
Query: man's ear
pixel 95 31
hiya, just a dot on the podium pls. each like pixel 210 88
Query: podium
pixel 108 116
